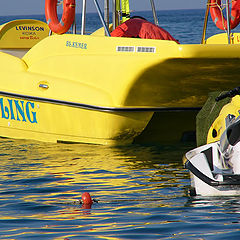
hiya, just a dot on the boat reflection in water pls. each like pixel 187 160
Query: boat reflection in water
pixel 141 191
pixel 51 178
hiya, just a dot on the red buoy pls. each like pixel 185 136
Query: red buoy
pixel 86 199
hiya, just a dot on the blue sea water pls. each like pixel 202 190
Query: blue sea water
pixel 142 191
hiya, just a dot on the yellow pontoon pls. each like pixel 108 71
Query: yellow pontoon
pixel 109 90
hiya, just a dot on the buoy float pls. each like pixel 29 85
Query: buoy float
pixel 68 15
pixel 86 200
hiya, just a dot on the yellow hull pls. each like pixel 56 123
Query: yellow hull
pixel 61 123
pixel 103 90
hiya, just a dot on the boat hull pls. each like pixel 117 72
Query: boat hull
pixel 208 176
pixel 79 95
pixel 166 75
pixel 51 122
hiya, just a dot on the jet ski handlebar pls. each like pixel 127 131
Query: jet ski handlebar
pixel 232 93
pixel 231 136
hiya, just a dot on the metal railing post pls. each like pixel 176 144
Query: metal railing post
pixel 106 14
pixel 83 17
pixel 228 22
pixel 205 22
pixel 154 12
pixel 114 14
pixel 101 18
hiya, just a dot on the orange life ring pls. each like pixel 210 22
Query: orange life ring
pixel 219 19
pixel 68 15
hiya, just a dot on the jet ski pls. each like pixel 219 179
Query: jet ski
pixel 215 167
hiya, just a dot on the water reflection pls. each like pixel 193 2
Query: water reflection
pixel 42 175
pixel 141 193
pixel 228 203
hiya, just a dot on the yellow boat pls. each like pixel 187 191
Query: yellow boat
pixel 19 36
pixel 108 90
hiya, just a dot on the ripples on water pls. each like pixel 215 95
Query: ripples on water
pixel 142 190
pixel 141 193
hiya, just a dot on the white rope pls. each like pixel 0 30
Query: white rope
pixel 59 2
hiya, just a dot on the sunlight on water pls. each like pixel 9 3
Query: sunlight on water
pixel 142 191
pixel 41 183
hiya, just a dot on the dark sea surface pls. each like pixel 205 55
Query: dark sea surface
pixel 142 191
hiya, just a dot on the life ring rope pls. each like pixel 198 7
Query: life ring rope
pixel 68 15
pixel 221 10
pixel 216 11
